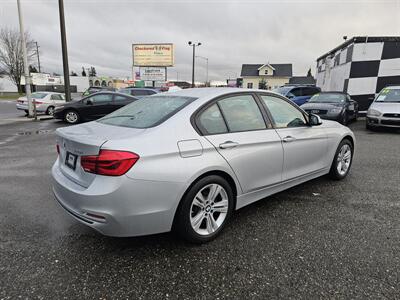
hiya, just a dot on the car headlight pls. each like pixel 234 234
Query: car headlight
pixel 335 110
pixel 373 112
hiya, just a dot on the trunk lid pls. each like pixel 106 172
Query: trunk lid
pixel 86 139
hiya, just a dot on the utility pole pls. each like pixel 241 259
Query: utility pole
pixel 37 53
pixel 31 105
pixel 206 59
pixel 64 51
pixel 194 45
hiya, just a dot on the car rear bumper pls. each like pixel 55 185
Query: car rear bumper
pixel 383 122
pixel 119 206
pixel 39 108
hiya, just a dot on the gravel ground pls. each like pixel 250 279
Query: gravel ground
pixel 323 239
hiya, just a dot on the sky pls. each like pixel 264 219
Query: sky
pixel 232 32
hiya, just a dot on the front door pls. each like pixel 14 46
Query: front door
pixel 98 106
pixel 304 146
pixel 243 136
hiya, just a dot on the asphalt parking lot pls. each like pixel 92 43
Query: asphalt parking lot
pixel 323 239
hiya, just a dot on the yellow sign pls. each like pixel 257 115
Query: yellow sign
pixel 153 55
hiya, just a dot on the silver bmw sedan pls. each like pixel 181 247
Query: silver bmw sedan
pixel 186 160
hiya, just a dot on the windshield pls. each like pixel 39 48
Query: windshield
pixel 146 112
pixel 39 95
pixel 328 97
pixel 282 90
pixel 389 95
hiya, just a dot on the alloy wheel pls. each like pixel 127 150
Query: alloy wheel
pixel 71 117
pixel 343 159
pixel 209 209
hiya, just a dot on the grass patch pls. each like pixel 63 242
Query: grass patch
pixel 10 96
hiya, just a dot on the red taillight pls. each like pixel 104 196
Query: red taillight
pixel 109 162
pixel 58 149
pixel 38 102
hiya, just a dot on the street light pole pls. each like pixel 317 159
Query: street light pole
pixel 194 45
pixel 206 59
pixel 37 53
pixel 64 51
pixel 31 104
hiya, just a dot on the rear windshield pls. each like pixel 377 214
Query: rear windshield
pixel 39 95
pixel 147 112
pixel 328 97
pixel 282 90
pixel 389 95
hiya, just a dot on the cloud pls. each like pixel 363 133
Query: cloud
pixel 100 33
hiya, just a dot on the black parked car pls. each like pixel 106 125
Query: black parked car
pixel 92 107
pixel 337 106
pixel 138 92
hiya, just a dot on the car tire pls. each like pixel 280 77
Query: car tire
pixel 344 120
pixel 71 117
pixel 50 111
pixel 342 160
pixel 204 210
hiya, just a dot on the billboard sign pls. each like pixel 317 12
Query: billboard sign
pixel 152 74
pixel 153 55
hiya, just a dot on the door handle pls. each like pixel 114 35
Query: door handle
pixel 288 139
pixel 228 144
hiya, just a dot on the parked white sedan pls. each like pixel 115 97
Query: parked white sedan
pixel 45 102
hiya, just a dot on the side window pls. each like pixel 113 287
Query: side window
pixel 296 92
pixel 211 121
pixel 97 99
pixel 150 92
pixel 284 114
pixel 242 113
pixel 55 97
pixel 309 91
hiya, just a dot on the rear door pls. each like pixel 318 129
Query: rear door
pixel 305 147
pixel 240 132
pixel 98 106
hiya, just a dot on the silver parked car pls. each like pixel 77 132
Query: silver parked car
pixel 45 102
pixel 385 110
pixel 186 160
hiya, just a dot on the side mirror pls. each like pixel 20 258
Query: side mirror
pixel 315 120
pixel 289 96
pixel 89 102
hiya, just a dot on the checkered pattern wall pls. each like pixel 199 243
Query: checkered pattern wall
pixel 361 69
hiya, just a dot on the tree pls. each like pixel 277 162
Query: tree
pixel 32 69
pixel 92 72
pixel 11 55
pixel 262 85
pixel 83 72
pixel 73 73
pixel 309 73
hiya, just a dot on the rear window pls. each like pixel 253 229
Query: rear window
pixel 147 112
pixel 39 95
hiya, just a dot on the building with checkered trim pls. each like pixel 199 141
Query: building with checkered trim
pixel 361 66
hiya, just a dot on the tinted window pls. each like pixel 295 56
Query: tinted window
pixel 242 113
pixel 125 91
pixel 146 112
pixel 151 92
pixel 296 92
pixel 211 120
pixel 309 91
pixel 389 95
pixel 101 98
pixel 282 90
pixel 283 113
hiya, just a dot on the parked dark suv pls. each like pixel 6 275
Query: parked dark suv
pixel 299 94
